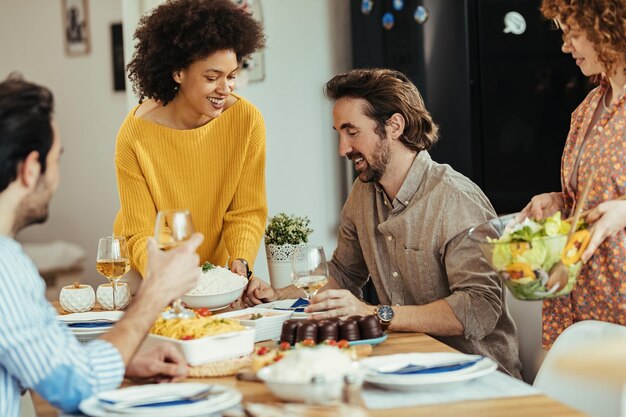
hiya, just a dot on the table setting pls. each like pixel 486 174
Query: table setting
pixel 296 364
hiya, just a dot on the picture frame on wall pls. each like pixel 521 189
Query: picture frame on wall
pixel 117 57
pixel 76 27
pixel 255 64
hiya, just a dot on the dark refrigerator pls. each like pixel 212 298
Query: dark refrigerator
pixel 494 78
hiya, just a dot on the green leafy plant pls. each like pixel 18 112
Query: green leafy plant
pixel 284 229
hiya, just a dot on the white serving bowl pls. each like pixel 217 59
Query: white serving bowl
pixel 267 327
pixel 290 378
pixel 209 348
pixel 219 300
pixel 328 391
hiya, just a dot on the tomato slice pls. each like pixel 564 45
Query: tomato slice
pixel 204 312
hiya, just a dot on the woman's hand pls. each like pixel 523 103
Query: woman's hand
pixel 542 206
pixel 608 218
pixel 237 267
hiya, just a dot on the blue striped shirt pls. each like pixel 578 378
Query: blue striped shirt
pixel 38 352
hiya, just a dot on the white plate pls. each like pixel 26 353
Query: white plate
pixel 424 381
pixel 86 332
pixel 91 316
pixel 95 408
pixel 282 305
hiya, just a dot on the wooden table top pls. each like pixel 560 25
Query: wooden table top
pixel 528 406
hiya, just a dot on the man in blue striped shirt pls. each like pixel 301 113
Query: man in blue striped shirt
pixel 36 351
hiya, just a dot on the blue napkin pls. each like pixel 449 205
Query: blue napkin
pixel 87 325
pixel 413 369
pixel 298 306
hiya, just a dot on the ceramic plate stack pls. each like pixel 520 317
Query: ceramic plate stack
pixel 161 400
pixel 420 371
pixel 267 327
pixel 90 325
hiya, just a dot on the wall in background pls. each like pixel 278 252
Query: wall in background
pixel 308 42
pixel 88 112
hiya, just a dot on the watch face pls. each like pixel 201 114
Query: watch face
pixel 385 313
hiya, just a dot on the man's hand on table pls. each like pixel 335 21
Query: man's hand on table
pixel 337 303
pixel 162 363
pixel 258 292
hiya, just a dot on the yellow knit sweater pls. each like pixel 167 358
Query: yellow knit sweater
pixel 217 171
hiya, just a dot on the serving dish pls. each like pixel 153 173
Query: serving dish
pixel 267 327
pixel 210 348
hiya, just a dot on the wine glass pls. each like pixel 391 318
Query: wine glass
pixel 112 260
pixel 172 228
pixel 309 269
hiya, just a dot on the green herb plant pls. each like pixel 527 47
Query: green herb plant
pixel 283 229
pixel 207 266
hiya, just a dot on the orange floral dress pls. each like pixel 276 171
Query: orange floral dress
pixel 600 291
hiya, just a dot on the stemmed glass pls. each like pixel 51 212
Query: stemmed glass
pixel 309 269
pixel 112 260
pixel 172 228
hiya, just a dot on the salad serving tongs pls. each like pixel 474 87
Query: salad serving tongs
pixel 559 272
pixel 584 213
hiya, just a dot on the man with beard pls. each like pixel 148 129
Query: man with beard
pixel 36 351
pixel 405 225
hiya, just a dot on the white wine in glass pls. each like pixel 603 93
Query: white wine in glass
pixel 172 229
pixel 112 260
pixel 309 269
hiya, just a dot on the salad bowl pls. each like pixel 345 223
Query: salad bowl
pixel 524 253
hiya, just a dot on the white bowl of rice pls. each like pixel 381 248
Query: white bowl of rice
pixel 216 289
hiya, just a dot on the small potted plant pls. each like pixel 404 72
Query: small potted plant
pixel 284 233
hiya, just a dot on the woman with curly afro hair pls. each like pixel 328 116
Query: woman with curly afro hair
pixel 594 33
pixel 190 142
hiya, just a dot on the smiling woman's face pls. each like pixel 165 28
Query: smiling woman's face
pixel 206 83
pixel 576 43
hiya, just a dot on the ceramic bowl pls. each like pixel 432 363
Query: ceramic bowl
pixel 219 300
pixel 77 298
pixel 104 294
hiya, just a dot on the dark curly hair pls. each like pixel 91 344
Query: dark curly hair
pixel 25 125
pixel 387 92
pixel 179 32
pixel 603 21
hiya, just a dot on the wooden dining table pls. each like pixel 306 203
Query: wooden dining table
pixel 525 406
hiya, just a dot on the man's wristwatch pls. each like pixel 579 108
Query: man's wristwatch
pixel 385 315
pixel 248 270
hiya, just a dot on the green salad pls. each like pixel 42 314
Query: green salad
pixel 525 254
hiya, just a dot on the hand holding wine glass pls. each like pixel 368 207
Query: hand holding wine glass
pixel 172 228
pixel 112 260
pixel 309 269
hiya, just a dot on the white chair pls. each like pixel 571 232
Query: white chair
pixel 596 396
pixel 527 318
pixel 27 408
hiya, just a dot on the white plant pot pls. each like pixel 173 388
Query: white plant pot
pixel 279 263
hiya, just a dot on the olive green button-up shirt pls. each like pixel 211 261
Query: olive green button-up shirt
pixel 416 250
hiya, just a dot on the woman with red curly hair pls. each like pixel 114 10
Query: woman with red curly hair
pixel 190 142
pixel 594 33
